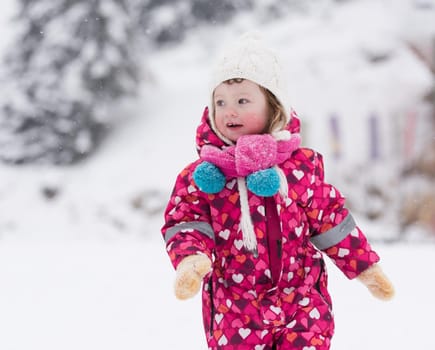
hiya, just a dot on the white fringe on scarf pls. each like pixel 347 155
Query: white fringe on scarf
pixel 246 226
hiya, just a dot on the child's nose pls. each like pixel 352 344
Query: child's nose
pixel 231 112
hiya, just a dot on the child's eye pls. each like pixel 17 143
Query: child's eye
pixel 219 103
pixel 243 101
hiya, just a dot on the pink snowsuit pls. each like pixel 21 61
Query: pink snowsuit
pixel 277 298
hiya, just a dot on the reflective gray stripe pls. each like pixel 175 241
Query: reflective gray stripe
pixel 334 235
pixel 200 226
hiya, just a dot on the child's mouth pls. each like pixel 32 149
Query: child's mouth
pixel 233 125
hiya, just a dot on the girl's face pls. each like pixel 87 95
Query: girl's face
pixel 240 108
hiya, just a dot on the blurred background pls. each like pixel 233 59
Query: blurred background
pixel 100 99
pixel 99 104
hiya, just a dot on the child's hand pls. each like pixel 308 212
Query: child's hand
pixel 190 272
pixel 377 283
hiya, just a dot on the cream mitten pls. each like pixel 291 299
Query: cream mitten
pixel 190 272
pixel 377 283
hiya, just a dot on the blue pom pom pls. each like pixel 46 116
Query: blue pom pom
pixel 209 178
pixel 264 183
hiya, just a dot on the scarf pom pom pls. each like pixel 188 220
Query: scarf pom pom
pixel 264 183
pixel 209 178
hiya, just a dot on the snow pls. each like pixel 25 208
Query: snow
pixel 94 294
pixel 82 263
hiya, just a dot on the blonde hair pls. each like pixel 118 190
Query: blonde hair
pixel 277 114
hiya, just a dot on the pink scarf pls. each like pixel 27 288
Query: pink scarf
pixel 251 153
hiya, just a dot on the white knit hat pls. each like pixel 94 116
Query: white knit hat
pixel 249 58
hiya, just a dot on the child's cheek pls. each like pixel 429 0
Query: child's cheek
pixel 255 121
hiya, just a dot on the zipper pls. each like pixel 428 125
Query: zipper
pixel 212 310
pixel 274 238
pixel 279 247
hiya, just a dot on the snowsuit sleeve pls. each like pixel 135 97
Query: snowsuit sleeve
pixel 187 229
pixel 333 229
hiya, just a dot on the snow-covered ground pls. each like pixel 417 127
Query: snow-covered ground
pixel 87 269
pixel 117 294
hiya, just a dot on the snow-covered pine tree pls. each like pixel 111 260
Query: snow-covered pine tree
pixel 72 59
pixel 167 21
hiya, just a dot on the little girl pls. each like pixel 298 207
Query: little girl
pixel 251 217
